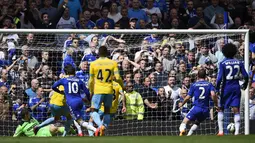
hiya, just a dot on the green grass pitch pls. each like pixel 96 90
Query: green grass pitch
pixel 134 139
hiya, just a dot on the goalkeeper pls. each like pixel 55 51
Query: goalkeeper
pixel 25 128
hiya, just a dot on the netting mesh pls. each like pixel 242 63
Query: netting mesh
pixel 161 67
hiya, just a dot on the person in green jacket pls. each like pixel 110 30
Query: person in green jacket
pixel 26 127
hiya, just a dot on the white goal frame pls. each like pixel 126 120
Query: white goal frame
pixel 147 31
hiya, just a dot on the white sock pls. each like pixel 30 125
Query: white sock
pixel 237 123
pixel 182 127
pixel 87 126
pixel 78 127
pixel 220 122
pixel 192 129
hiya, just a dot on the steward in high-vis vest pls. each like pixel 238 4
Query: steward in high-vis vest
pixel 134 104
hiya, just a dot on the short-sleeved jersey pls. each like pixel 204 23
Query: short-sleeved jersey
pixel 201 91
pixel 26 128
pixel 229 74
pixel 57 98
pixel 103 70
pixel 74 88
pixel 40 113
pixel 117 89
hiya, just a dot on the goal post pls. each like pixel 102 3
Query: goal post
pixel 184 34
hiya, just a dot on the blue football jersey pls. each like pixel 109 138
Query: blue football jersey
pixel 201 91
pixel 229 74
pixel 74 88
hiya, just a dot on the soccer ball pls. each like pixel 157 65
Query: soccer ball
pixel 231 127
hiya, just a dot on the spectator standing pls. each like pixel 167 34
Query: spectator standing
pixel 45 81
pixel 65 22
pixel 4 78
pixel 204 55
pixel 199 21
pixel 217 22
pixel 168 61
pixel 114 13
pixel 124 21
pixel 51 11
pixel 93 9
pixel 100 22
pixel 136 12
pixel 134 104
pixel 4 109
pixel 150 9
pixel 85 22
pixel 213 9
pixel 28 57
pixel 164 105
pixel 155 22
pixel 172 90
pixel 22 81
pixel 74 7
pixel 161 4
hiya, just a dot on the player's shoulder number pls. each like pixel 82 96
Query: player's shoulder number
pixel 104 75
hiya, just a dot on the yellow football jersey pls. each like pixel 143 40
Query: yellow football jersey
pixel 117 89
pixel 57 98
pixel 102 72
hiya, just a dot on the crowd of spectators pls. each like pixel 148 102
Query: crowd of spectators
pixel 160 68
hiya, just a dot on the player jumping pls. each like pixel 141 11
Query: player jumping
pixel 201 90
pixel 74 91
pixel 101 87
pixel 229 76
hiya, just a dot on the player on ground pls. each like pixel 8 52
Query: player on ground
pixel 102 72
pixel 201 90
pixel 229 76
pixel 25 128
pixel 74 91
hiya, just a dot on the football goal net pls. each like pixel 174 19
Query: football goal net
pixel 160 65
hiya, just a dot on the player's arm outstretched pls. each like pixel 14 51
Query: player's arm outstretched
pixel 56 85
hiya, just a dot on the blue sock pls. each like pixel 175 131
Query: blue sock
pixel 96 118
pixel 67 127
pixel 47 122
pixel 91 133
pixel 106 120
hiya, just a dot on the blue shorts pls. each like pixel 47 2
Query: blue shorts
pixel 75 107
pixel 230 98
pixel 198 114
pixel 59 110
pixel 98 99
